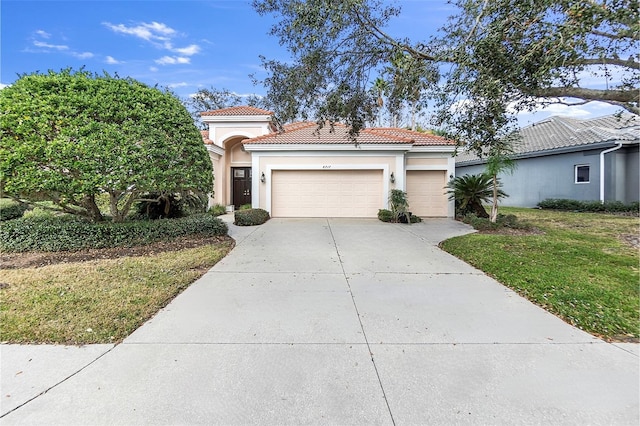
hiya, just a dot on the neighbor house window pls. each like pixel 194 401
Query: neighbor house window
pixel 582 174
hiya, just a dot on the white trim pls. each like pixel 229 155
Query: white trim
pixel 575 174
pixel 383 167
pixel 255 182
pixel 433 148
pixel 215 149
pixel 401 181
pixel 225 138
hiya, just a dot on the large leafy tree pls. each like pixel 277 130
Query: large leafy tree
pixel 500 53
pixel 68 136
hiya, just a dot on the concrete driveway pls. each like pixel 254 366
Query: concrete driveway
pixel 316 321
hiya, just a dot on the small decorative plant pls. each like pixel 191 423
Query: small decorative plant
pixel 399 206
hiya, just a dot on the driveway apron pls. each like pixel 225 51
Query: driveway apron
pixel 340 321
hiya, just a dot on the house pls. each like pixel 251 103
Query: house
pixel 561 157
pixel 303 171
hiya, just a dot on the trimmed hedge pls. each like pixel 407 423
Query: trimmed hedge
pixel 589 206
pixel 68 233
pixel 250 217
pixel 503 221
pixel 385 215
pixel 10 209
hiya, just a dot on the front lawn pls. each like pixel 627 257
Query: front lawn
pixel 70 301
pixel 583 267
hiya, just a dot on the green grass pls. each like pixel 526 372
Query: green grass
pixel 579 268
pixel 100 301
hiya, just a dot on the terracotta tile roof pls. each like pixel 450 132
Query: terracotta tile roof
pixel 237 110
pixel 308 133
pixel 205 137
pixel 419 138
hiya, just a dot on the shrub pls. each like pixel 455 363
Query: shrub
pixel 68 233
pixel 217 210
pixel 503 221
pixel 589 206
pixel 39 212
pixel 385 215
pixel 245 207
pixel 10 209
pixel 250 217
pixel 415 219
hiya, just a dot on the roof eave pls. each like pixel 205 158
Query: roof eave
pixel 433 148
pixel 250 147
pixel 553 151
pixel 234 118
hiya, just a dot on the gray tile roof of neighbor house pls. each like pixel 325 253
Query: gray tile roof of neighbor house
pixel 570 134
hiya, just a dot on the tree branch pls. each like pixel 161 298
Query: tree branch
pixel 627 63
pixel 622 98
pixel 382 36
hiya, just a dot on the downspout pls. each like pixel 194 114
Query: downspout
pixel 606 151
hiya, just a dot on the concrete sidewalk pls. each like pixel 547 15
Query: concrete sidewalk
pixel 334 322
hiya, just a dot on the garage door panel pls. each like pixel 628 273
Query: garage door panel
pixel 326 193
pixel 426 192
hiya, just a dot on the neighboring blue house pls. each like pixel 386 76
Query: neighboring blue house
pixel 562 157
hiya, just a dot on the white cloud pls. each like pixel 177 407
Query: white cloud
pixel 189 50
pixel 83 55
pixel 161 36
pixel 2 85
pixel 172 60
pixel 111 60
pixel 50 46
pixel 43 34
pixel 174 85
pixel 154 31
pixel 153 69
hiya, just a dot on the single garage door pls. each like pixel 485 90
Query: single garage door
pixel 326 193
pixel 426 193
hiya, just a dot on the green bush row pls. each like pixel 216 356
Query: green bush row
pixel 503 221
pixel 10 209
pixel 67 233
pixel 589 206
pixel 250 217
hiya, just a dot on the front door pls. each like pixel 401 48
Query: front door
pixel 241 188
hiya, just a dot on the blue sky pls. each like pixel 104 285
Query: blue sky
pixel 185 45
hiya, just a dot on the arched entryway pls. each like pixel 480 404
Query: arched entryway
pixel 237 172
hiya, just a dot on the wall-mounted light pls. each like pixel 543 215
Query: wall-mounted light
pixel 451 176
pixel 263 179
pixel 392 178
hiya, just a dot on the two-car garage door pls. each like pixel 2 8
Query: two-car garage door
pixel 326 193
pixel 352 193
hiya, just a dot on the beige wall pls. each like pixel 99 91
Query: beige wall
pixel 418 161
pixel 218 179
pixel 321 162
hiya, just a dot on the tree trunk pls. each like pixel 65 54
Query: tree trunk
pixel 479 210
pixel 89 203
pixel 494 205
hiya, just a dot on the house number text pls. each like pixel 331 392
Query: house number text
pixel 326 167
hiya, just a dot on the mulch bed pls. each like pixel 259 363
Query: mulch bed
pixel 39 259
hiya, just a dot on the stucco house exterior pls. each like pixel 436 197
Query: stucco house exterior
pixel 303 171
pixel 561 157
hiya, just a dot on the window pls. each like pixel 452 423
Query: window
pixel 582 174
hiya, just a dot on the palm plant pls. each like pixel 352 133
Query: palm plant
pixel 470 191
